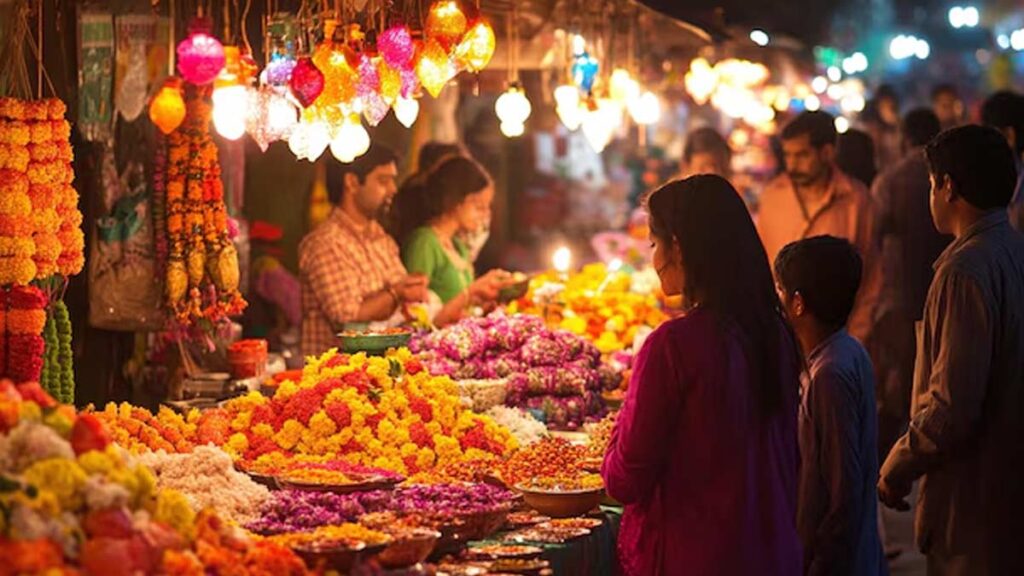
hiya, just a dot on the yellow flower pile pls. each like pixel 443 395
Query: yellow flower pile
pixel 596 303
pixel 385 413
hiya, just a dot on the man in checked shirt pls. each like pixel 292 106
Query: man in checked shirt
pixel 349 267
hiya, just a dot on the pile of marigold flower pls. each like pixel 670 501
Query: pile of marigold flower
pixel 380 412
pixel 550 461
pixel 595 303
pixel 74 502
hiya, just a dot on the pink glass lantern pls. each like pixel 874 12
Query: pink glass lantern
pixel 307 81
pixel 396 47
pixel 200 56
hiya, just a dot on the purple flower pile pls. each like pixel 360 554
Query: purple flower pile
pixel 299 511
pixel 554 373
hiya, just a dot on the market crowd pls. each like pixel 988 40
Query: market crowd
pixel 863 331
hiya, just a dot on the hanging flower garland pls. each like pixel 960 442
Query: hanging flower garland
pixel 202 264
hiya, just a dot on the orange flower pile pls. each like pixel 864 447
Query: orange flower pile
pixel 40 224
pixel 138 430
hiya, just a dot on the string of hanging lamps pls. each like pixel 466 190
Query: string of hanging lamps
pixel 318 94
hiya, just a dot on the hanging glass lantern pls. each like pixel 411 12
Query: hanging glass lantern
pixel 434 68
pixel 567 105
pixel 351 141
pixel 340 79
pixel 646 109
pixel 513 107
pixel 200 55
pixel 396 47
pixel 307 82
pixel 167 110
pixel 230 110
pixel 624 88
pixel 584 71
pixel 406 111
pixel 477 47
pixel 390 82
pixel 446 23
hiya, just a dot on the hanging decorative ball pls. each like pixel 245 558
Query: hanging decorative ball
pixel 477 47
pixel 351 141
pixel 271 116
pixel 567 105
pixel 200 55
pixel 390 82
pixel 406 111
pixel 375 109
pixel 410 82
pixel 434 68
pixel 339 78
pixel 307 81
pixel 584 71
pixel 167 110
pixel 369 78
pixel 623 88
pixel 396 47
pixel 279 69
pixel 513 107
pixel 446 23
pixel 230 110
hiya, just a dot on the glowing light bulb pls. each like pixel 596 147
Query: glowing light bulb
pixel 701 80
pixel 567 105
pixel 623 87
pixel 513 106
pixel 562 259
pixel 318 137
pixel 446 23
pixel 513 129
pixel 230 110
pixel 646 109
pixel 167 110
pixel 351 141
pixel 406 111
pixel 812 103
pixel 842 124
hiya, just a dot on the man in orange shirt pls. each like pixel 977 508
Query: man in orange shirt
pixel 815 198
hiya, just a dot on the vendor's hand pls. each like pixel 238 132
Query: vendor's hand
pixel 893 496
pixel 412 288
pixel 486 287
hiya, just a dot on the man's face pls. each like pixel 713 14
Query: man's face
pixel 805 164
pixel 888 111
pixel 940 202
pixel 948 108
pixel 374 195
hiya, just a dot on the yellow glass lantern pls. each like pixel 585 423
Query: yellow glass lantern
pixel 167 110
pixel 434 67
pixel 477 47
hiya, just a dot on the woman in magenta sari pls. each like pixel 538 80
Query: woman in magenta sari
pixel 704 454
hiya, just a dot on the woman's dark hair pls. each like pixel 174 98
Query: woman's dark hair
pixel 726 270
pixel 441 190
pixel 708 141
pixel 979 162
pixel 433 152
pixel 855 155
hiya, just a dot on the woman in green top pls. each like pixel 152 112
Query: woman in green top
pixel 459 194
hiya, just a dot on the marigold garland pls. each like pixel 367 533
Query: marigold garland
pixel 38 205
pixel 201 277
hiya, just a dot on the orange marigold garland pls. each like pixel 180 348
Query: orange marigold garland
pixel 201 281
pixel 40 224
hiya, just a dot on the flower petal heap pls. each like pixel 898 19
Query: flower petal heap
pixel 385 413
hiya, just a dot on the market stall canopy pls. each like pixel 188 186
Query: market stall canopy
pixel 807 20
pixel 541 26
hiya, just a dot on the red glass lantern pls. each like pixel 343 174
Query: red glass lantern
pixel 307 82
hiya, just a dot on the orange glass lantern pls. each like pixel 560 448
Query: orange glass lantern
pixel 477 47
pixel 446 23
pixel 167 110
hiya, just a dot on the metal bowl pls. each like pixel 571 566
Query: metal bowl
pixel 561 503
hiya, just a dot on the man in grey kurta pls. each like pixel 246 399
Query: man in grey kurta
pixel 818 280
pixel 966 434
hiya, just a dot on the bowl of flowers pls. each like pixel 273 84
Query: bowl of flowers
pixel 359 338
pixel 563 496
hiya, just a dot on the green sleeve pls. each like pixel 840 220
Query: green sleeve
pixel 419 254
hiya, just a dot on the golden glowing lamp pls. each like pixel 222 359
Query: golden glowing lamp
pixel 434 67
pixel 477 47
pixel 446 23
pixel 167 110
